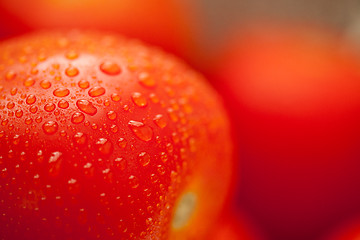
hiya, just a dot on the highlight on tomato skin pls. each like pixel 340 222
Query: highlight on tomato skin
pixel 98 142
pixel 293 91
pixel 169 24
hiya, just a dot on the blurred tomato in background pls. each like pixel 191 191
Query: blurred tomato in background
pixel 235 225
pixel 169 24
pixel 349 230
pixel 293 91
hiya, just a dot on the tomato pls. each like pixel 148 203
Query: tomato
pixel 293 91
pixel 166 23
pixel 234 226
pixel 103 137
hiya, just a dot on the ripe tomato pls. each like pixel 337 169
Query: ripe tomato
pixel 167 23
pixel 294 92
pixel 104 138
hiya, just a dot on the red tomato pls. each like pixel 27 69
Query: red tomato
pixel 294 92
pixel 167 23
pixel 234 226
pixel 104 138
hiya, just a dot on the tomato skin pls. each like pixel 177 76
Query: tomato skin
pixel 294 92
pixel 168 24
pixel 96 141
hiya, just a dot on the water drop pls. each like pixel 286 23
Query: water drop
pixel 49 107
pixel 77 118
pixel 45 84
pixel 33 109
pixel 10 105
pixel 18 113
pixel 80 138
pixel 142 131
pixel 120 163
pixel 31 99
pixel 96 91
pixel 144 158
pixel 160 121
pixel 111 115
pixel 104 146
pixel 61 92
pixel 29 82
pixel 50 127
pixel 13 91
pixel 146 80
pixel 110 68
pixel 86 107
pixel 133 181
pixel 55 161
pixel 83 84
pixel 139 99
pixel 115 97
pixel 122 142
pixel 72 55
pixel 63 104
pixel 10 75
pixel 71 71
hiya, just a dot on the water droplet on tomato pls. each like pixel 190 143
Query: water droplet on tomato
pixel 18 113
pixel 133 181
pixel 71 71
pixel 31 99
pixel 160 121
pixel 144 158
pixel 72 55
pixel 83 84
pixel 10 75
pixel 111 115
pixel 50 127
pixel 142 131
pixel 63 104
pixel 110 68
pixel 86 107
pixel 139 99
pixel 77 118
pixel 122 142
pixel 33 109
pixel 104 146
pixel 45 84
pixel 120 163
pixel 29 82
pixel 49 107
pixel 96 91
pixel 146 80
pixel 61 92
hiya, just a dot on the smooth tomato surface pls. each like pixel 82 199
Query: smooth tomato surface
pixel 294 94
pixel 104 138
pixel 167 23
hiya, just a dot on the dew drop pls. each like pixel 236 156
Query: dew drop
pixel 77 118
pixel 142 131
pixel 71 71
pixel 31 99
pixel 61 92
pixel 29 82
pixel 10 75
pixel 86 107
pixel 146 80
pixel 144 158
pixel 18 113
pixel 104 146
pixel 28 121
pixel 133 181
pixel 120 163
pixel 83 84
pixel 110 68
pixel 10 105
pixel 96 91
pixel 38 119
pixel 122 142
pixel 160 121
pixel 72 55
pixel 45 84
pixel 55 161
pixel 49 107
pixel 33 109
pixel 63 104
pixel 115 97
pixel 50 127
pixel 13 91
pixel 139 99
pixel 111 115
